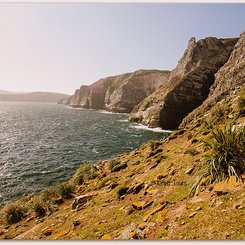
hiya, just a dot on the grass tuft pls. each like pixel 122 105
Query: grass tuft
pixel 14 213
pixel 227 156
pixel 119 167
pixel 66 189
pixel 121 191
pixel 39 208
pixel 84 172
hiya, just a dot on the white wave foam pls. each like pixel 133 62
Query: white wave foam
pixel 110 112
pixel 123 120
pixel 143 127
pixel 74 108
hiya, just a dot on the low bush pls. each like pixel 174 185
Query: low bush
pixel 192 151
pixel 241 102
pixel 121 191
pixel 160 158
pixel 113 163
pixel 119 167
pixel 175 133
pixel 154 144
pixel 102 183
pixel 84 172
pixel 156 151
pixel 14 213
pixel 39 208
pixel 49 194
pixel 227 155
pixel 66 189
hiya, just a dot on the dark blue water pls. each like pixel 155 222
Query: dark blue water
pixel 42 144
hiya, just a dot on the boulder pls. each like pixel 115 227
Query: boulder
pixel 106 237
pixel 156 210
pixel 228 185
pixel 81 200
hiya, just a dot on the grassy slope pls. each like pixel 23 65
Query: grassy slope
pixel 171 213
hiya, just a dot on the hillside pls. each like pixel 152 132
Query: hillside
pixel 32 97
pixel 144 194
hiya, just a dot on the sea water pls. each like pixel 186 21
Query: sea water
pixel 42 144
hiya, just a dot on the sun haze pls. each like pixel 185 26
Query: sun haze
pixel 60 46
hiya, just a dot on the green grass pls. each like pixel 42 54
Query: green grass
pixel 119 167
pixel 227 155
pixel 14 213
pixel 39 208
pixel 102 183
pixel 175 133
pixel 121 190
pixel 241 102
pixel 192 151
pixel 84 172
pixel 113 163
pixel 66 189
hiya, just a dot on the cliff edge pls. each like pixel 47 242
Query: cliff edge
pixel 118 93
pixel 188 85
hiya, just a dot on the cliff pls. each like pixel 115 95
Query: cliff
pixel 118 93
pixel 188 85
pixel 230 77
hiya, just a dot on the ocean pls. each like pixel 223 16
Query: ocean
pixel 42 144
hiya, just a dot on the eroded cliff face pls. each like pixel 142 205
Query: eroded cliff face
pixel 118 93
pixel 230 77
pixel 188 85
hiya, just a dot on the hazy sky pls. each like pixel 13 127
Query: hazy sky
pixel 58 47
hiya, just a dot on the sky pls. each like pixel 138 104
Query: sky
pixel 58 47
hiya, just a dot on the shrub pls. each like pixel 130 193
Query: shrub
pixel 192 151
pixel 121 191
pixel 217 114
pixel 156 151
pixel 102 183
pixel 119 167
pixel 175 133
pixel 49 194
pixel 194 140
pixel 84 172
pixel 14 213
pixel 39 208
pixel 241 103
pixel 66 189
pixel 160 158
pixel 113 163
pixel 227 156
pixel 154 144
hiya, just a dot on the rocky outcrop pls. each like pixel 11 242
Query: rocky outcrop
pixel 118 93
pixel 227 79
pixel 188 85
